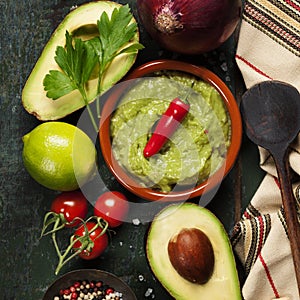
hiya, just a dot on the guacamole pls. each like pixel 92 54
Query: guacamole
pixel 195 150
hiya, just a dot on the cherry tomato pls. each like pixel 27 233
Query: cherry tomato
pixel 97 242
pixel 71 205
pixel 113 207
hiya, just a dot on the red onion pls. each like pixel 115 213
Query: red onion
pixel 189 26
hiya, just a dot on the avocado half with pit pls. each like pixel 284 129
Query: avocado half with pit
pixel 189 252
pixel 81 22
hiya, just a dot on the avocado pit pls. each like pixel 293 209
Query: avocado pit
pixel 192 256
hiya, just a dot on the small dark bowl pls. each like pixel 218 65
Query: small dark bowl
pixel 89 274
pixel 214 180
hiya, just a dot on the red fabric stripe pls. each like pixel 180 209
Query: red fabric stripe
pixel 249 64
pixel 277 182
pixel 292 4
pixel 269 276
pixel 246 215
pixel 261 233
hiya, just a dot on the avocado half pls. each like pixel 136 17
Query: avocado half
pixel 81 20
pixel 223 282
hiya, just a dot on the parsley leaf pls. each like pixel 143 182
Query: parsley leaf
pixel 76 62
pixel 58 84
pixel 114 34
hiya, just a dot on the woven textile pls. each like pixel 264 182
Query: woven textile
pixel 269 48
pixel 269 43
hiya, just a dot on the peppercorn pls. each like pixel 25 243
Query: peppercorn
pixel 67 292
pixel 88 290
pixel 109 291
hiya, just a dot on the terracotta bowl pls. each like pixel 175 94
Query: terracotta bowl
pixel 107 278
pixel 122 175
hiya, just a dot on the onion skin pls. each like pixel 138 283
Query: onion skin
pixel 189 26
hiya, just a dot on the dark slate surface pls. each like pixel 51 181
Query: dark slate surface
pixel 27 262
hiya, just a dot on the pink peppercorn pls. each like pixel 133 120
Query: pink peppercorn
pixel 67 292
pixel 109 291
pixel 72 289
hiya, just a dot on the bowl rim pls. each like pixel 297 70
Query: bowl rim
pixel 232 152
pixel 83 274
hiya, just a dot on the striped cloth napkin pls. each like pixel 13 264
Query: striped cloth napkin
pixel 269 48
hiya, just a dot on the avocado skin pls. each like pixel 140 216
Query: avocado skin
pixel 34 97
pixel 224 281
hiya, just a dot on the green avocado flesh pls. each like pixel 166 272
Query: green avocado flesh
pixel 81 22
pixel 223 283
pixel 197 148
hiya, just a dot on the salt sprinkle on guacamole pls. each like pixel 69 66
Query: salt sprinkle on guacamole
pixel 194 152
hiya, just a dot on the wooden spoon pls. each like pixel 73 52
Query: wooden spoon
pixel 271 113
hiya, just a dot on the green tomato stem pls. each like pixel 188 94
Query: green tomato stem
pixel 85 243
pixel 50 218
pixel 63 259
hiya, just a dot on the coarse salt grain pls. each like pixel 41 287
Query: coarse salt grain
pixel 141 277
pixel 148 292
pixel 136 222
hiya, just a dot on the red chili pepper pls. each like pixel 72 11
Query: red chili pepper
pixel 166 126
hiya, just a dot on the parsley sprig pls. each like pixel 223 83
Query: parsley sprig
pixel 77 63
pixel 78 58
pixel 114 35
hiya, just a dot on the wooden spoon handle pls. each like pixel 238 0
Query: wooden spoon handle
pixel 290 209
